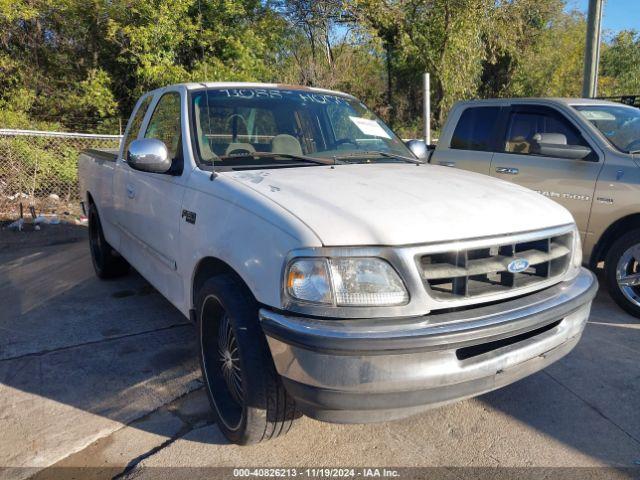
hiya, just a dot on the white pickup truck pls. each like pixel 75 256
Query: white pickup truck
pixel 328 271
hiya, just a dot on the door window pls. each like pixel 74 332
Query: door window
pixel 475 128
pixel 525 127
pixel 165 123
pixel 136 123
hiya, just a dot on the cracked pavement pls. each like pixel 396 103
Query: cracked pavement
pixel 102 377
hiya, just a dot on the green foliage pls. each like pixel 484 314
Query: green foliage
pixel 37 167
pixel 546 70
pixel 81 65
pixel 620 66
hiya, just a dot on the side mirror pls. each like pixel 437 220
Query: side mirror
pixel 555 145
pixel 149 155
pixel 419 148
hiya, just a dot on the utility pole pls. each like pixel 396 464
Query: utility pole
pixel 592 49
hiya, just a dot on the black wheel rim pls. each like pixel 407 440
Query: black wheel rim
pixel 222 367
pixel 229 357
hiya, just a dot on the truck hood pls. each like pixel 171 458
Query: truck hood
pixel 401 204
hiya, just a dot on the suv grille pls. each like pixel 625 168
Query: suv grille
pixel 473 272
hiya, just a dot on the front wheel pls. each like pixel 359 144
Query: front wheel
pixel 246 393
pixel 622 272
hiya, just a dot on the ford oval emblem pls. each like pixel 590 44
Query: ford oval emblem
pixel 518 265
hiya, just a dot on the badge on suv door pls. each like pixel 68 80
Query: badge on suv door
pixel 518 265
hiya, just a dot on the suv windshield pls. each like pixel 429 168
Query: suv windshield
pixel 260 127
pixel 619 123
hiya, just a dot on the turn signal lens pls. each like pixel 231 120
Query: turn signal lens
pixel 308 281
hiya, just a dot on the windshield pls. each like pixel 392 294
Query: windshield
pixel 259 127
pixel 619 123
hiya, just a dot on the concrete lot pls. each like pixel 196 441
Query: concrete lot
pixel 103 376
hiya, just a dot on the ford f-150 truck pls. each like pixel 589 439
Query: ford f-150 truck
pixel 582 153
pixel 327 269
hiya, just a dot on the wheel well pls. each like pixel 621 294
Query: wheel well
pixel 207 268
pixel 611 234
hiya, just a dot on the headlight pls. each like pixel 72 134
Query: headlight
pixel 345 282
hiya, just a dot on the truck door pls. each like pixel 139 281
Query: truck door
pixel 121 171
pixel 471 144
pixel 524 157
pixel 152 212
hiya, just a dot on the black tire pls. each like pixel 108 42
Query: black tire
pixel 628 298
pixel 106 261
pixel 260 409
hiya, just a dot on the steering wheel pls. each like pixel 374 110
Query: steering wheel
pixel 635 145
pixel 247 148
pixel 342 141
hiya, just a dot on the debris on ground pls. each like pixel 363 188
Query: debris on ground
pixel 40 232
pixel 17 225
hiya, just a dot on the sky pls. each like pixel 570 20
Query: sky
pixel 617 15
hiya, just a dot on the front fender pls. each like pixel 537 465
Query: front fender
pixel 243 229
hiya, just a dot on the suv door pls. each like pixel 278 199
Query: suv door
pixel 154 200
pixel 472 142
pixel 569 181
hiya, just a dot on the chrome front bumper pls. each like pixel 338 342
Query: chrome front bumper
pixel 365 370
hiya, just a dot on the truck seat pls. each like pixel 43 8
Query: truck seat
pixel 287 144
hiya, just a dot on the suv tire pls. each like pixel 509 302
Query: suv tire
pixel 246 393
pixel 623 262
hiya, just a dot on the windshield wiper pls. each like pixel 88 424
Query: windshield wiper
pixel 370 153
pixel 304 158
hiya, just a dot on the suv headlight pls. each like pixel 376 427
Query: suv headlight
pixel 345 282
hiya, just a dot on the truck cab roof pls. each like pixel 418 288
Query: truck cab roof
pixel 240 85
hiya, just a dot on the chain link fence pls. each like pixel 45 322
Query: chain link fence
pixel 40 169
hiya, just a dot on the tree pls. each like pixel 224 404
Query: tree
pixel 620 65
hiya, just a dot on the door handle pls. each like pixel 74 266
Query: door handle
pixel 447 164
pixel 507 170
pixel 131 192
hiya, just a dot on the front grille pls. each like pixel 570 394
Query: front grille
pixel 478 271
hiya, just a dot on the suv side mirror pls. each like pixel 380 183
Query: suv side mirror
pixel 149 155
pixel 555 145
pixel 419 148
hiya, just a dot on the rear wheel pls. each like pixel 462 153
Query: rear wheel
pixel 246 393
pixel 106 261
pixel 622 272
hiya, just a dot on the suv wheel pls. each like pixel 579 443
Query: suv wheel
pixel 246 394
pixel 622 272
pixel 106 261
